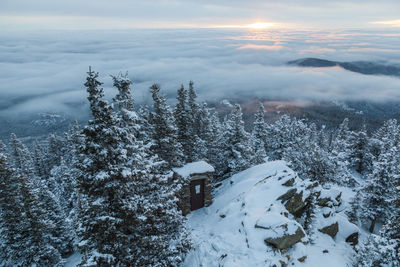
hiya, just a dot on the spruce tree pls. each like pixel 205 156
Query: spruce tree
pixel 166 145
pixel 258 136
pixel 39 161
pixel 26 235
pixel 55 150
pixel 184 124
pixel 193 109
pixel 235 145
pixel 361 157
pixel 22 158
pixel 105 216
pixel 378 189
pixel 129 215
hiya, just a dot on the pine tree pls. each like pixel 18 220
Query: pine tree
pixel 39 161
pixel 361 157
pixel 103 181
pixel 193 109
pixel 235 145
pixel 161 239
pixel 283 134
pixel 58 228
pixel 384 249
pixel 184 124
pixel 165 144
pixel 26 236
pixel 206 135
pixel 307 158
pixel 22 158
pixel 258 136
pixel 379 188
pixel 124 102
pixel 55 150
pixel 129 217
pixel 214 148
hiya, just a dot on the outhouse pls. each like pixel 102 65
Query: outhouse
pixel 196 179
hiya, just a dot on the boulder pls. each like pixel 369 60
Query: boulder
pixel 287 240
pixel 289 194
pixel 302 259
pixel 330 230
pixel 352 239
pixel 289 182
pixel 293 202
pixel 295 205
pixel 279 231
pixel 329 198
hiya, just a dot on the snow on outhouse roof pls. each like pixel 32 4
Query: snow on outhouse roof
pixel 194 168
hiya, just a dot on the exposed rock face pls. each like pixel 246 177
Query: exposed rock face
pixel 330 230
pixel 329 198
pixel 294 202
pixel 289 182
pixel 296 205
pixel 289 194
pixel 352 239
pixel 286 241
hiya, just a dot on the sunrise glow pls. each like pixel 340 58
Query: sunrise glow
pixel 260 25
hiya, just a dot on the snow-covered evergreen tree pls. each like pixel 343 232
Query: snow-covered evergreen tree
pixel 258 136
pixel 22 158
pixel 129 216
pixel 214 148
pixel 103 181
pixel 165 145
pixel 193 109
pixel 184 124
pixel 26 236
pixel 361 157
pixel 55 150
pixel 235 145
pixel 378 190
pixel 39 160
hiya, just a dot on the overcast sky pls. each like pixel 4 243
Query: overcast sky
pixel 107 14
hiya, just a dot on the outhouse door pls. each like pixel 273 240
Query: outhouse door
pixel 197 194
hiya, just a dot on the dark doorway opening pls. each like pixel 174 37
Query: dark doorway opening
pixel 197 194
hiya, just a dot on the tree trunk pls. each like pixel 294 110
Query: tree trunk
pixel 372 226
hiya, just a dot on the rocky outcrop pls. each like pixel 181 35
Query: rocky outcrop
pixel 329 198
pixel 288 195
pixel 294 202
pixel 352 239
pixel 330 230
pixel 286 241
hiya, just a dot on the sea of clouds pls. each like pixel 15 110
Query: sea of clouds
pixel 45 70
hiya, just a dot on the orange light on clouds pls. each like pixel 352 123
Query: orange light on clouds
pixel 256 26
pixel 392 23
pixel 260 25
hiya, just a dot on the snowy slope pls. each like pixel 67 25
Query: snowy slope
pixel 224 234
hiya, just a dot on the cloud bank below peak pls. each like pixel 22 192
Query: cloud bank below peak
pixel 45 71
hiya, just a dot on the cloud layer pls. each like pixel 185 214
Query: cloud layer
pixel 45 71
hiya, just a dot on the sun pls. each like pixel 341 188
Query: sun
pixel 260 25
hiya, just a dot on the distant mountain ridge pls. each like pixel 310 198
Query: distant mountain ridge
pixel 363 67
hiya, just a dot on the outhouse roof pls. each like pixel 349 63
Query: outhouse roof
pixel 197 167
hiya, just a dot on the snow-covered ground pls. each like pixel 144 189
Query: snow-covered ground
pixel 224 234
